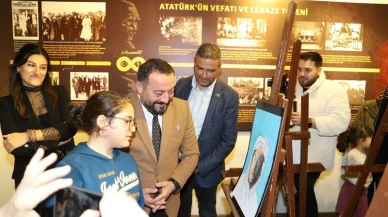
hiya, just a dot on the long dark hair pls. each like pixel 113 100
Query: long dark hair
pixel 349 139
pixel 15 79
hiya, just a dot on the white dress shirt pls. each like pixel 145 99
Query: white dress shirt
pixel 149 116
pixel 199 101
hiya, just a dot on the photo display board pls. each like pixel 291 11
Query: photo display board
pixel 99 45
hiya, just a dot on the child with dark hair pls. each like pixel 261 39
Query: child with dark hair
pixel 354 142
pixel 98 164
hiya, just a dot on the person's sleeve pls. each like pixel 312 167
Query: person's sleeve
pixel 189 151
pixel 338 118
pixel 77 181
pixel 360 117
pixel 7 119
pixel 356 158
pixel 74 174
pixel 8 122
pixel 141 195
pixel 66 129
pixel 228 139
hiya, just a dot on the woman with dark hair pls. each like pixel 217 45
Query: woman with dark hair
pixel 34 115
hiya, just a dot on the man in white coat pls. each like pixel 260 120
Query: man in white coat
pixel 329 115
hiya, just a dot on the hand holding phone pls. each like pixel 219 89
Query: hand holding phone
pixel 73 201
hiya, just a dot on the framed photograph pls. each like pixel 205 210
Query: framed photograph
pixel 242 32
pixel 54 78
pixel 25 20
pixel 251 186
pixel 85 84
pixel 73 21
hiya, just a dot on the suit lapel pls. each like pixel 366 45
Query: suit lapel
pixel 214 101
pixel 186 88
pixel 168 125
pixel 142 127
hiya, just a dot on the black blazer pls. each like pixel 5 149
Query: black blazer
pixel 11 122
pixel 219 130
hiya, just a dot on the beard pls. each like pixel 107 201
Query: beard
pixel 151 107
pixel 256 173
pixel 305 83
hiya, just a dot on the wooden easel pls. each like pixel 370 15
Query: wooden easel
pixel 378 206
pixel 368 166
pixel 268 206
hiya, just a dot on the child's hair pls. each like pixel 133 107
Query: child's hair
pixel 106 103
pixel 350 138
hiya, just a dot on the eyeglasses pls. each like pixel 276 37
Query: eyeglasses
pixel 130 123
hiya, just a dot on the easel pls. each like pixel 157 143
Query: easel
pixel 378 206
pixel 268 206
pixel 368 166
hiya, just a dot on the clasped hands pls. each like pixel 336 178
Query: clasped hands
pixel 159 201
pixel 16 140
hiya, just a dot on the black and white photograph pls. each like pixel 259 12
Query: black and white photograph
pixel 179 29
pixel 267 88
pixel 25 20
pixel 54 76
pixel 356 91
pixel 344 36
pixel 309 33
pixel 85 84
pixel 73 21
pixel 250 90
pixel 242 32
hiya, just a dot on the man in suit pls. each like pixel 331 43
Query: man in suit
pixel 165 147
pixel 214 106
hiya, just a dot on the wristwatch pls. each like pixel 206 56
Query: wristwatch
pixel 176 184
pixel 310 123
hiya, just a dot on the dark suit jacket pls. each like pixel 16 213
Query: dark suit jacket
pixel 219 131
pixel 11 122
pixel 178 136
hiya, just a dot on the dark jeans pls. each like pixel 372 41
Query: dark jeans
pixel 311 200
pixel 206 199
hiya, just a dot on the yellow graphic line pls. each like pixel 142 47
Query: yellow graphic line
pixel 98 63
pixel 268 67
pixel 74 63
pixel 340 69
pixel 55 63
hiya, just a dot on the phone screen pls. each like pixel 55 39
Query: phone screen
pixel 73 201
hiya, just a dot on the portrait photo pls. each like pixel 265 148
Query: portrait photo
pixel 251 186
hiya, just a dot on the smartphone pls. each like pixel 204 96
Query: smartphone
pixel 157 193
pixel 73 201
